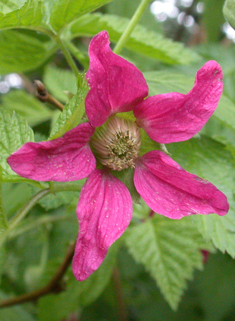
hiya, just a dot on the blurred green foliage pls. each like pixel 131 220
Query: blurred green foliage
pixel 120 289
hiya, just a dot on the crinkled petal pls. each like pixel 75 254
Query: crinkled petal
pixel 176 117
pixel 171 191
pixel 104 212
pixel 116 85
pixel 64 159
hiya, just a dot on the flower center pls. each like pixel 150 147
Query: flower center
pixel 117 143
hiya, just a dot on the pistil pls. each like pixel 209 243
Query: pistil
pixel 117 143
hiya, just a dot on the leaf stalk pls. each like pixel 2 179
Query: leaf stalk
pixel 132 24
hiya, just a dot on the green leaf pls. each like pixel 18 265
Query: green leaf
pixel 7 6
pixel 62 234
pixel 64 11
pixel 160 82
pixel 14 132
pixel 212 161
pixel 223 134
pixel 16 195
pixel 170 251
pixel 28 15
pixel 225 111
pixel 91 288
pixel 14 57
pixel 141 211
pixel 52 201
pixel 60 306
pixel 229 12
pixel 142 40
pixel 59 80
pixel 226 60
pixel 126 176
pixel 3 254
pixel 72 113
pixel 26 106
pixel 215 288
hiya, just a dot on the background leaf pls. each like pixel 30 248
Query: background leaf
pixel 143 41
pixel 216 286
pixel 14 132
pixel 52 201
pixel 15 195
pixel 8 6
pixel 64 11
pixel 30 14
pixel 169 250
pixel 58 80
pixel 26 106
pixel 73 111
pixel 229 12
pixel 77 294
pixel 14 57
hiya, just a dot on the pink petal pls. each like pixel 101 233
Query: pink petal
pixel 64 159
pixel 176 117
pixel 116 84
pixel 171 191
pixel 104 211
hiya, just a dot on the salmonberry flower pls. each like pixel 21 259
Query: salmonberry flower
pixel 105 206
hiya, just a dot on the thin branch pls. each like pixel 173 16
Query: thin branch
pixel 3 218
pixel 43 95
pixel 27 207
pixel 37 223
pixel 130 27
pixel 122 310
pixel 67 56
pixel 78 54
pixel 23 211
pixel 54 286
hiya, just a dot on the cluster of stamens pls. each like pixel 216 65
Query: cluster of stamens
pixel 117 143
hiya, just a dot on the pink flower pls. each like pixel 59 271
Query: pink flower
pixel 105 205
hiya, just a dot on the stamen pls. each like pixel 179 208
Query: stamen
pixel 117 143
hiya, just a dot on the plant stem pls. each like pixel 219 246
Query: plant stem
pixel 67 55
pixel 133 22
pixel 27 207
pixel 23 211
pixel 54 286
pixel 122 310
pixel 18 179
pixel 78 54
pixel 3 219
pixel 35 224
